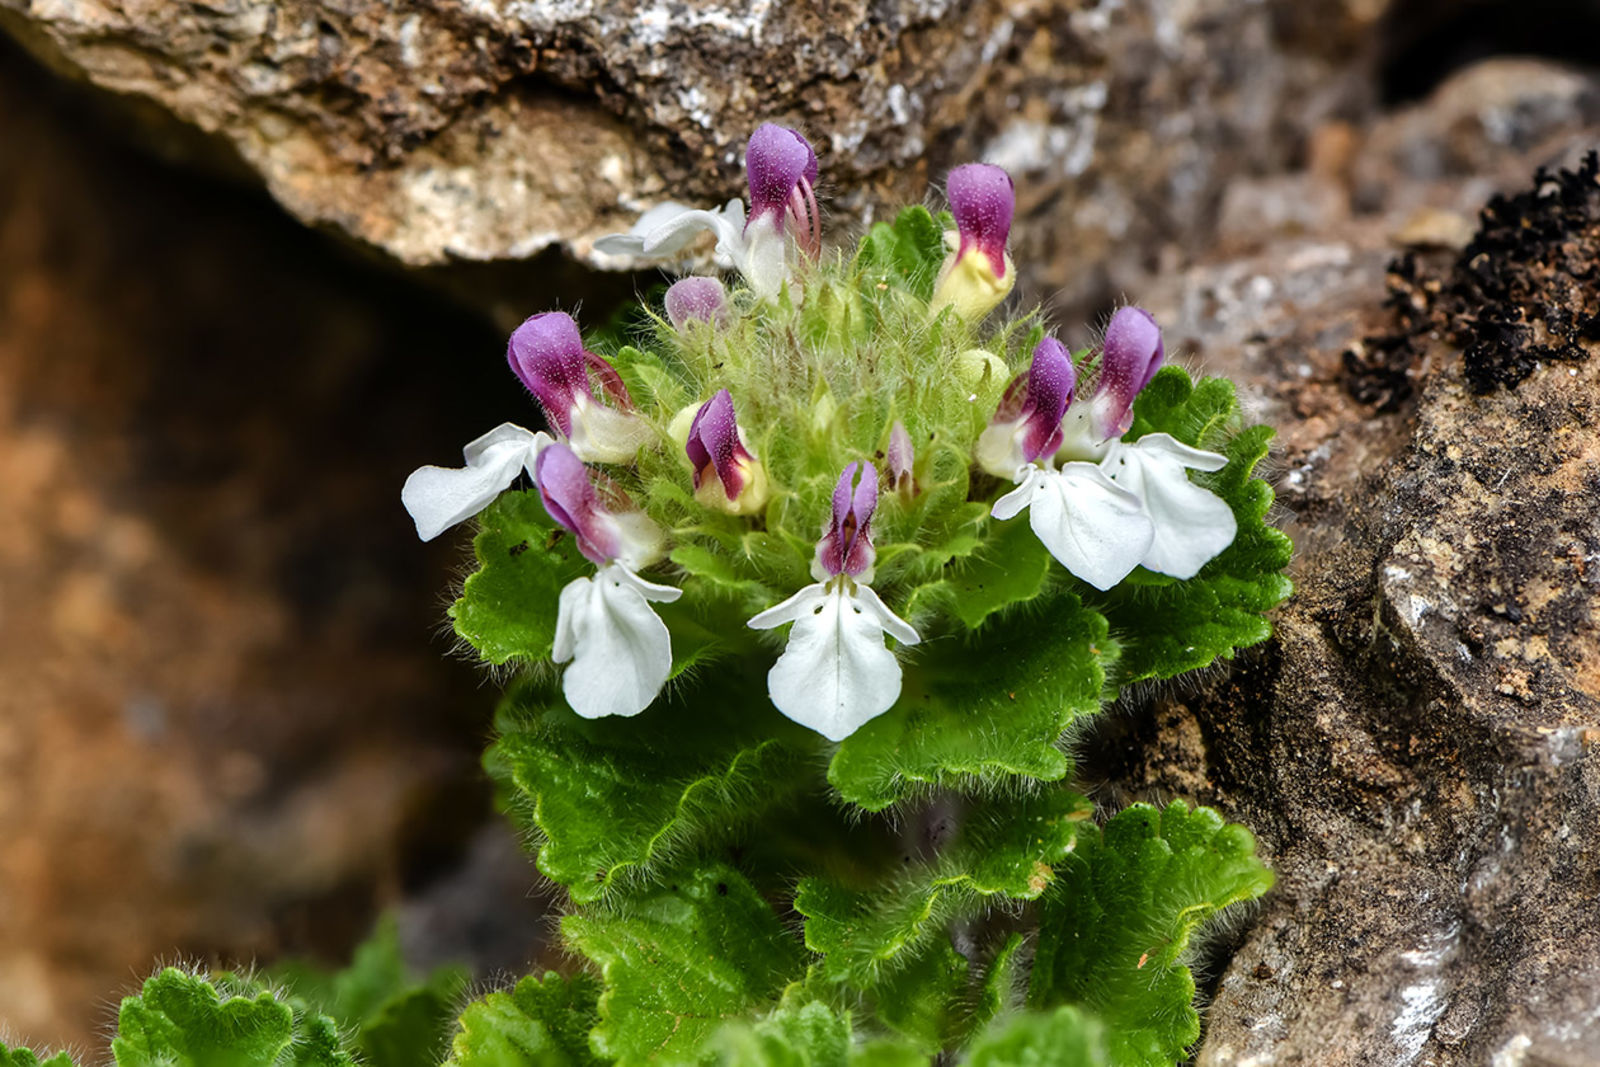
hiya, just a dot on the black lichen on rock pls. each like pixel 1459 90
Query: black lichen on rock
pixel 1525 292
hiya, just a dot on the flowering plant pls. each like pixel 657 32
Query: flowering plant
pixel 805 587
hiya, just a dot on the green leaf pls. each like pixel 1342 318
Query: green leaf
pixel 681 958
pixel 507 610
pixel 615 799
pixel 1004 850
pixel 23 1057
pixel 1114 927
pixel 1009 567
pixel 907 253
pixel 1003 982
pixel 887 1052
pixel 1170 626
pixel 398 1020
pixel 1064 1037
pixel 979 715
pixel 543 1022
pixel 923 1001
pixel 803 1035
pixel 180 1020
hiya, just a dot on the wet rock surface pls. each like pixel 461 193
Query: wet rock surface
pixel 485 130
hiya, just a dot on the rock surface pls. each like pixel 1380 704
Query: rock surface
pixel 486 130
pixel 1419 747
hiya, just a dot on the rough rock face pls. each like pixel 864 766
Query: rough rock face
pixel 1419 748
pixel 442 130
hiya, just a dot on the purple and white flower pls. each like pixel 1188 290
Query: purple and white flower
pixel 546 353
pixel 620 651
pixel 781 169
pixel 835 672
pixel 1190 524
pixel 727 474
pixel 978 273
pixel 1096 528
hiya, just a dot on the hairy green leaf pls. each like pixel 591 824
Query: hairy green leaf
pixel 1004 850
pixel 1172 626
pixel 804 1035
pixel 543 1022
pixel 613 799
pixel 907 253
pixel 1064 1037
pixel 180 1020
pixel 397 1019
pixel 680 959
pixel 980 714
pixel 1010 566
pixel 1114 927
pixel 507 609
pixel 1003 984
pixel 24 1057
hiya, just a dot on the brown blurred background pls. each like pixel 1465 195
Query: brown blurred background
pixel 230 726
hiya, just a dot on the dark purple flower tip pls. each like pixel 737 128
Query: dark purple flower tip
pixel 570 498
pixel 714 446
pixel 1132 354
pixel 983 200
pixel 696 300
pixel 546 353
pixel 776 161
pixel 1051 379
pixel 846 545
pixel 901 459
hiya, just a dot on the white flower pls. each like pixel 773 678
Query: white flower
pixel 440 497
pixel 835 674
pixel 621 651
pixel 1191 524
pixel 782 171
pixel 1096 528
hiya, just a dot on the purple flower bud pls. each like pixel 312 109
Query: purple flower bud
pixel 782 171
pixel 846 545
pixel 1049 390
pixel 983 200
pixel 1133 353
pixel 696 300
pixel 546 352
pixel 570 498
pixel 901 459
pixel 717 450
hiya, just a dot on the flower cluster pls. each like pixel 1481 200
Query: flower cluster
pixel 737 438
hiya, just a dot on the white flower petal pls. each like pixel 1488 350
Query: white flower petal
pixel 605 435
pixel 1165 446
pixel 1097 529
pixel 621 651
pixel 440 497
pixel 1013 503
pixel 765 262
pixel 890 623
pixel 802 603
pixel 835 673
pixel 1192 524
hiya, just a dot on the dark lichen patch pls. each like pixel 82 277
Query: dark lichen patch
pixel 1524 293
